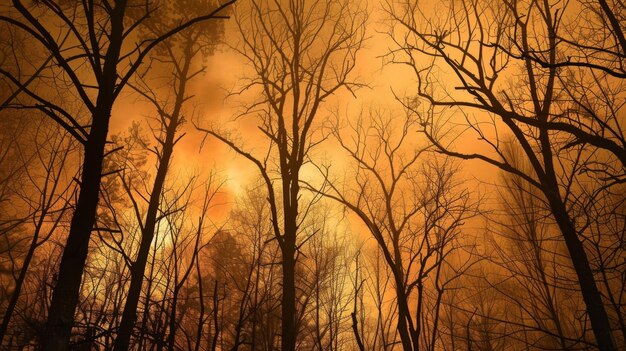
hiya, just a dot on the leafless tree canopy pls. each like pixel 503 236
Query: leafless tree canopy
pixel 290 175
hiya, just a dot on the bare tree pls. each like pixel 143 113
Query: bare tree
pixel 257 312
pixel 535 277
pixel 325 281
pixel 378 284
pixel 91 52
pixel 301 53
pixel 413 210
pixel 473 43
pixel 590 51
pixel 179 241
pixel 44 193
pixel 180 55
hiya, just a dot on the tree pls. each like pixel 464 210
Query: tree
pixel 301 53
pixel 178 55
pixel 590 51
pixel 256 320
pixel 413 210
pixel 94 36
pixel 43 192
pixel 324 281
pixel 473 44
pixel 531 271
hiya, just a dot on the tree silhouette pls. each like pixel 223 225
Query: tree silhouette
pixel 95 36
pixel 415 225
pixel 469 43
pixel 300 53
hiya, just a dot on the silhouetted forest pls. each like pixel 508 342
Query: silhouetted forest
pixel 342 175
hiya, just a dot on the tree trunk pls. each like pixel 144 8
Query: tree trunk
pixel 57 332
pixel 290 191
pixel 19 282
pixel 171 337
pixel 403 315
pixel 67 289
pixel 138 268
pixel 591 295
pixel 289 294
pixel 8 313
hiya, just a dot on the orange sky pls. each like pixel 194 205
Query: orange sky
pixel 225 68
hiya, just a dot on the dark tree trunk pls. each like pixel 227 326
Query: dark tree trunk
pixel 67 288
pixel 138 268
pixel 129 317
pixel 591 295
pixel 403 315
pixel 65 296
pixel 201 306
pixel 288 311
pixel 355 331
pixel 216 309
pixel 173 327
pixel 290 193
